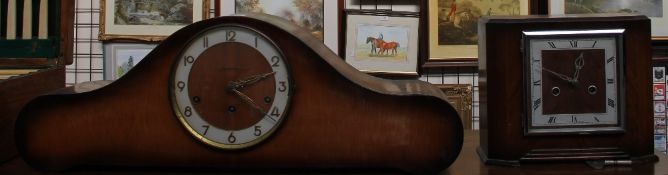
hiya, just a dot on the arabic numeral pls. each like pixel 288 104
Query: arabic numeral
pixel 206 128
pixel 188 60
pixel 275 112
pixel 181 85
pixel 611 103
pixel 274 61
pixel 282 87
pixel 231 138
pixel 258 131
pixel 188 111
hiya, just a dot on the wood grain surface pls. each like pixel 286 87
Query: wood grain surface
pixel 339 118
pixel 502 105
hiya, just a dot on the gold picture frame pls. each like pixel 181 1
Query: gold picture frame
pixel 148 22
pixel 460 96
pixel 453 33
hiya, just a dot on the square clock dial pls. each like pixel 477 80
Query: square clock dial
pixel 574 82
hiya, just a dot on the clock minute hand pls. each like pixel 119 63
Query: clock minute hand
pixel 579 64
pixel 562 76
pixel 250 80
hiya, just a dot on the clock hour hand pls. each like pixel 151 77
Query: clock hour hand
pixel 579 64
pixel 562 76
pixel 250 80
pixel 247 100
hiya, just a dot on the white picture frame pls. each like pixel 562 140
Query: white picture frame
pixel 117 56
pixel 356 32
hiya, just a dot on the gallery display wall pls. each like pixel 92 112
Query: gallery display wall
pixel 98 58
pixel 92 57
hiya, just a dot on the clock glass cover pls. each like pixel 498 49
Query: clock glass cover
pixel 574 81
pixel 231 87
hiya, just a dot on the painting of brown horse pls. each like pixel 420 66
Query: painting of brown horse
pixel 380 47
pixel 381 43
pixel 388 46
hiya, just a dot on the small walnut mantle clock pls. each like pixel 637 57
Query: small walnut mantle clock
pixel 243 93
pixel 565 88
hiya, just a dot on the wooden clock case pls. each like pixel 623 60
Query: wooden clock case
pixel 339 118
pixel 502 93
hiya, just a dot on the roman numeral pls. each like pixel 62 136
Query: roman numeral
pixel 552 120
pixel 611 103
pixel 610 59
pixel 596 118
pixel 594 45
pixel 255 42
pixel 552 44
pixel 610 80
pixel 574 119
pixel 536 83
pixel 574 43
pixel 206 42
pixel 536 104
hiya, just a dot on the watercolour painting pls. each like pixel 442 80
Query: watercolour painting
pixel 308 14
pixel 382 43
pixel 650 8
pixel 153 12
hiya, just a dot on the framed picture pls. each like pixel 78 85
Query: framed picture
pixel 121 57
pixel 659 108
pixel 320 17
pixel 453 27
pixel 659 75
pixel 659 121
pixel 654 9
pixel 460 97
pixel 148 20
pixel 659 129
pixel 660 142
pixel 382 44
pixel 659 91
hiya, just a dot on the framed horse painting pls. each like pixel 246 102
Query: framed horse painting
pixel 453 26
pixel 382 43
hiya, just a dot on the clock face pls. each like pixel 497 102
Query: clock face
pixel 231 87
pixel 573 81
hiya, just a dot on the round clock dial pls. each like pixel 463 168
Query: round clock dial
pixel 231 87
pixel 573 81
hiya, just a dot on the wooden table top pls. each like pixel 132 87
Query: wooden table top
pixel 467 163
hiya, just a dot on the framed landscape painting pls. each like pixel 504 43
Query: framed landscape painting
pixel 320 17
pixel 654 9
pixel 453 25
pixel 120 58
pixel 382 44
pixel 148 20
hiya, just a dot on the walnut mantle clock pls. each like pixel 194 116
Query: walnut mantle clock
pixel 244 92
pixel 565 88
